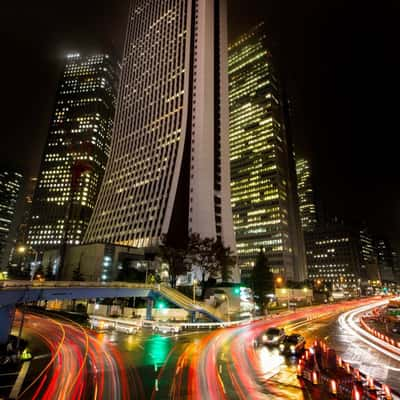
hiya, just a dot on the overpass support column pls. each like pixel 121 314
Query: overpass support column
pixel 193 316
pixel 149 308
pixel 6 319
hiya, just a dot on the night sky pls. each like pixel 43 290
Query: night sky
pixel 338 59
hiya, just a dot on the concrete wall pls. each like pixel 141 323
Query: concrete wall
pixel 164 314
pixel 90 257
pixel 295 295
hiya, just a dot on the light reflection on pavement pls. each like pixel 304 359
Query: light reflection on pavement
pixel 222 364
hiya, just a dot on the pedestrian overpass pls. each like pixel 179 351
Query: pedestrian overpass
pixel 13 293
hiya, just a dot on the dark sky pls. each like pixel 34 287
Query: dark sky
pixel 339 60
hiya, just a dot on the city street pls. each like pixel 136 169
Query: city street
pixel 70 361
pixel 199 200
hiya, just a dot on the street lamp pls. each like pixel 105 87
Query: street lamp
pixel 288 297
pixel 226 298
pixel 22 250
pixel 194 290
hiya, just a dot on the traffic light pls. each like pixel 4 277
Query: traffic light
pixel 237 290
pixel 160 304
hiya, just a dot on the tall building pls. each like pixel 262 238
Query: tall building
pixel 386 260
pixel 18 258
pixel 334 256
pixel 22 230
pixel 10 188
pixel 169 166
pixel 367 251
pixel 396 266
pixel 76 152
pixel 265 208
pixel 341 254
pixel 308 211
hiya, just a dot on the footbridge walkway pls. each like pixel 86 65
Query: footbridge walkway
pixel 13 293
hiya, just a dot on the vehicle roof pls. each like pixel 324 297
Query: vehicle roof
pixel 274 328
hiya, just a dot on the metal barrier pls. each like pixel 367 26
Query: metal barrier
pixel 393 344
pixel 183 325
pixel 321 366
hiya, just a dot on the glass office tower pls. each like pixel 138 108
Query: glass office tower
pixel 10 189
pixel 263 184
pixel 76 152
pixel 308 210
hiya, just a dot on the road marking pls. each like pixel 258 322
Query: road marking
pixel 42 356
pixel 20 380
pixel 346 321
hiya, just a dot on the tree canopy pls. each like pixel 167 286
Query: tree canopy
pixel 208 255
pixel 262 279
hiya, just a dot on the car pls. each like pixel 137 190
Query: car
pixel 126 328
pixel 292 345
pixel 272 336
pixel 167 328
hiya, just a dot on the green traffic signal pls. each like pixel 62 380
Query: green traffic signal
pixel 160 305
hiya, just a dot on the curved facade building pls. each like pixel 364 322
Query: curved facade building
pixel 168 172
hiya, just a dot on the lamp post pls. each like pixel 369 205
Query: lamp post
pixel 288 296
pixel 226 298
pixel 22 251
pixel 305 290
pixel 279 281
pixel 194 290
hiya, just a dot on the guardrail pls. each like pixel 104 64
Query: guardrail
pixel 379 335
pixel 321 366
pixel 50 284
pixel 183 325
pixel 207 325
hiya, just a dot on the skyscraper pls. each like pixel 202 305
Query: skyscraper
pixel 76 152
pixel 386 260
pixel 308 211
pixel 169 166
pixel 335 255
pixel 263 184
pixel 10 188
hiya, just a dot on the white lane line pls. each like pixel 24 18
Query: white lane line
pixel 347 322
pixel 20 380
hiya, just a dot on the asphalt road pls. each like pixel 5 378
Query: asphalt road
pixel 221 364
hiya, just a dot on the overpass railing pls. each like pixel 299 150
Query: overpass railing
pixel 51 284
pixel 172 294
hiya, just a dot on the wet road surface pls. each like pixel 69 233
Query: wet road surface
pixel 222 364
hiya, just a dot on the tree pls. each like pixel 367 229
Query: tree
pixel 129 273
pixel 39 274
pixel 225 259
pixel 262 279
pixel 49 270
pixel 77 274
pixel 175 257
pixel 202 255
